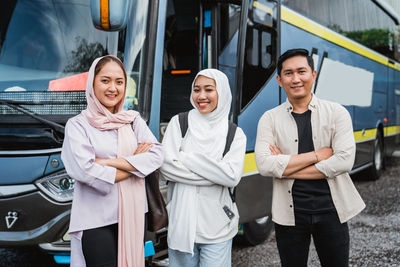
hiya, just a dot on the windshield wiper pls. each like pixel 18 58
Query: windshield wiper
pixel 16 106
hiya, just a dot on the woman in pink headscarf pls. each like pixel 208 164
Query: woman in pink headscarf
pixel 108 151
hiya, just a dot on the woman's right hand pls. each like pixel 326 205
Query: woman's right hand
pixel 143 147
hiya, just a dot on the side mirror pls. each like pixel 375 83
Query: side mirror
pixel 109 15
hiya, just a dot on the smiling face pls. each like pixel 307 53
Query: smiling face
pixel 109 85
pixel 296 78
pixel 205 95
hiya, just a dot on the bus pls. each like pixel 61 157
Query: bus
pixel 46 48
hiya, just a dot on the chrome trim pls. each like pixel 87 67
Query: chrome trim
pixel 49 199
pixel 34 233
pixel 363 167
pixel 59 245
pixel 162 230
pixel 56 197
pixel 11 190
pixel 66 237
pixel 30 152
pixel 262 220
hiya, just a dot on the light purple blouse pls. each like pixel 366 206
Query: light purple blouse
pixel 95 201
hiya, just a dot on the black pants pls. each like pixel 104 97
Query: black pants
pixel 100 246
pixel 331 240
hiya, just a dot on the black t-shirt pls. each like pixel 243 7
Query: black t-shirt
pixel 309 196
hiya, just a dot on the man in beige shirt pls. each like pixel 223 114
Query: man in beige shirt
pixel 307 145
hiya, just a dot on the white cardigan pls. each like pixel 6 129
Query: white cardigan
pixel 199 190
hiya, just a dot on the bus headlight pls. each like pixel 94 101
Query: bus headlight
pixel 58 186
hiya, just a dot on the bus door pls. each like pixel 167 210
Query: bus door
pixel 256 91
pixel 180 59
pixel 196 33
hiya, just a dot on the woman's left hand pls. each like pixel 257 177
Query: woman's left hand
pixel 143 147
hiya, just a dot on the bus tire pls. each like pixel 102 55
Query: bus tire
pixel 378 159
pixel 255 232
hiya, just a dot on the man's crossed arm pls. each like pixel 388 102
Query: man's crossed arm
pixel 301 166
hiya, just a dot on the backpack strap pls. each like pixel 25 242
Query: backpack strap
pixel 183 122
pixel 229 137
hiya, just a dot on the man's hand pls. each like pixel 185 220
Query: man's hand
pixel 323 153
pixel 143 147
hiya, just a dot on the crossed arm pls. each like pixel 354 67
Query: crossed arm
pixel 329 162
pixel 301 166
pixel 147 158
pixel 122 165
pixel 198 169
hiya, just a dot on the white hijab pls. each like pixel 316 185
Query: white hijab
pixel 207 132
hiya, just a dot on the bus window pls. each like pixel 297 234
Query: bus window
pixel 360 20
pixel 229 23
pixel 260 50
pixel 133 42
pixel 44 41
pixel 7 9
pixel 48 46
pixel 397 43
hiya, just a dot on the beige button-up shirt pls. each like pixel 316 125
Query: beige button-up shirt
pixel 331 127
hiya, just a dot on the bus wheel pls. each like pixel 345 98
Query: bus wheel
pixel 255 232
pixel 378 158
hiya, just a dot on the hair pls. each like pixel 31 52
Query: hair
pixel 292 53
pixel 109 58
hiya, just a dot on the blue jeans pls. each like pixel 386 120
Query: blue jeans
pixel 205 255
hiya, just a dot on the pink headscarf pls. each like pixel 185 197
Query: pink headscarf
pixel 131 191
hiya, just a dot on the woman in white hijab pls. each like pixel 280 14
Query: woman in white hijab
pixel 203 219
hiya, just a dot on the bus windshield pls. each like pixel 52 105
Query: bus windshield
pixel 47 47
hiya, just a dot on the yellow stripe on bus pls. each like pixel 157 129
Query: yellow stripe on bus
pixel 318 30
pixel 370 134
pixel 249 163
pixel 392 130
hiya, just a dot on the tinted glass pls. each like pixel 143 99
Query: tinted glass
pixel 360 20
pixel 47 47
pixel 260 49
pixel 229 22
